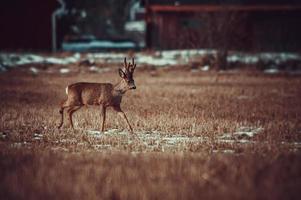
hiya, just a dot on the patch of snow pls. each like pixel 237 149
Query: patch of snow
pixel 63 61
pixel 226 151
pixel 72 140
pixel 92 132
pixel 248 58
pixel 138 26
pixel 242 135
pixel 243 58
pixel 19 144
pixel 156 58
pixel 102 146
pixel 149 139
pixel 236 141
pixel 34 70
pixel 99 70
pixel 3 135
pixel 13 60
pixel 205 68
pixel 150 60
pixel 110 132
pixel 279 57
pixel 96 134
pixel 115 131
pixel 64 70
pixel 37 136
pixel 107 57
pixel 93 69
pixel 271 71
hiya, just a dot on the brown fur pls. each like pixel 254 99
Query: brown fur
pixel 100 94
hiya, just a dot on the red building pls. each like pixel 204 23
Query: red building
pixel 26 24
pixel 243 25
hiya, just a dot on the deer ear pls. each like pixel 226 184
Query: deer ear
pixel 121 73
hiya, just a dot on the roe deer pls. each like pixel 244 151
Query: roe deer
pixel 102 94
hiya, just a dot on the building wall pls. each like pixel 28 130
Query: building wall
pixel 251 31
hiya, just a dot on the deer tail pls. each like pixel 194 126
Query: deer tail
pixel 67 88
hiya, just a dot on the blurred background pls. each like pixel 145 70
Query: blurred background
pixel 77 25
pixel 219 27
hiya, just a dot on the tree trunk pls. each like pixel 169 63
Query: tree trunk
pixel 221 60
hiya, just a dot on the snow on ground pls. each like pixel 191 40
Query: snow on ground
pixel 16 59
pixel 157 58
pixel 148 136
pixel 99 70
pixel 37 136
pixel 64 70
pixel 205 68
pixel 138 26
pixel 155 140
pixel 34 70
pixel 254 58
pixel 3 135
pixel 242 135
pixel 271 71
pixel 151 141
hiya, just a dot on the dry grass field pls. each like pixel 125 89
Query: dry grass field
pixel 202 135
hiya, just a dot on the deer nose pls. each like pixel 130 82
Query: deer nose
pixel 133 87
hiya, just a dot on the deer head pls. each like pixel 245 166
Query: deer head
pixel 127 74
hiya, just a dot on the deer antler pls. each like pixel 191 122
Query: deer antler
pixel 130 67
pixel 133 64
pixel 126 65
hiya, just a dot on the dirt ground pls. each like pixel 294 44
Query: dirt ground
pixel 202 135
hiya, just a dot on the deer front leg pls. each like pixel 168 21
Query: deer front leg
pixel 103 113
pixel 122 114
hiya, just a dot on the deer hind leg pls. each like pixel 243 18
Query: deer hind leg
pixel 70 112
pixel 103 113
pixel 62 118
pixel 63 106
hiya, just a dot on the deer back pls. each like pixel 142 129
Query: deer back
pixel 83 93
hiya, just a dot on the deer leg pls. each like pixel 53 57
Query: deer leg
pixel 70 113
pixel 62 117
pixel 63 106
pixel 103 113
pixel 122 114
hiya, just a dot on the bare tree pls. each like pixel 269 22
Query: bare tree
pixel 226 31
pixel 223 30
